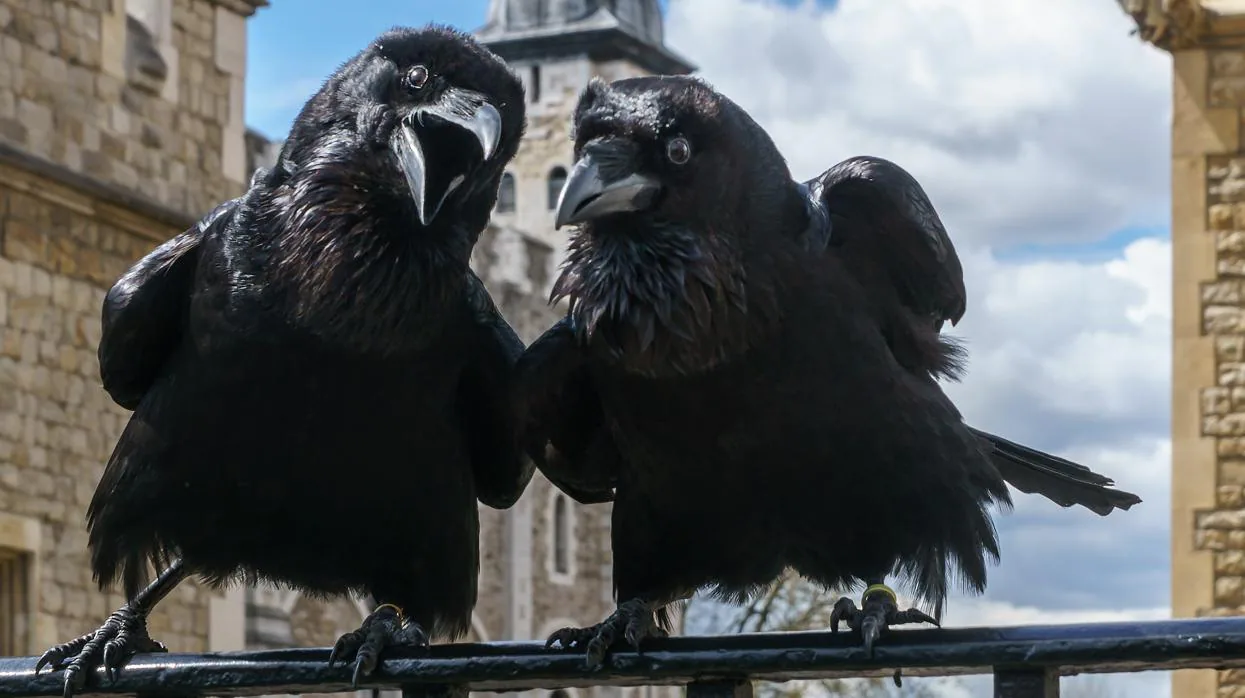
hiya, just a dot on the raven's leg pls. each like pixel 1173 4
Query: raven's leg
pixel 122 636
pixel 633 621
pixel 881 610
pixel 386 626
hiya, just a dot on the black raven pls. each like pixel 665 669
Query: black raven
pixel 746 386
pixel 318 381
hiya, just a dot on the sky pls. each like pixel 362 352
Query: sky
pixel 1040 132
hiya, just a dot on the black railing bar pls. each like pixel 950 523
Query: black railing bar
pixel 1217 643
pixel 1026 682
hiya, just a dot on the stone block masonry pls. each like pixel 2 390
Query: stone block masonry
pixel 59 252
pixel 66 96
pixel 1212 257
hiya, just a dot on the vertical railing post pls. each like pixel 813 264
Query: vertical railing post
pixel 731 688
pixel 1025 682
pixel 420 690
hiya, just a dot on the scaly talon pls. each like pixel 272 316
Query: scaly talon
pixel 122 636
pixel 384 627
pixel 880 612
pixel 633 620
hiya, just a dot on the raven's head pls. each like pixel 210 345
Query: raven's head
pixel 669 150
pixel 449 110
pixel 672 189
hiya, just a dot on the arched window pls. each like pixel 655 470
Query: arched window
pixel 506 194
pixel 557 178
pixel 533 92
pixel 561 535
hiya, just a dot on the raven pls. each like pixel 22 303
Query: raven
pixel 729 364
pixel 319 383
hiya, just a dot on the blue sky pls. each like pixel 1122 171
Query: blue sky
pixel 293 44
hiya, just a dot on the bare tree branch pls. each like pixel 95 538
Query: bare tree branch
pixel 794 604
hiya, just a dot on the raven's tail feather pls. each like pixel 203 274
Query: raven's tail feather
pixel 1061 481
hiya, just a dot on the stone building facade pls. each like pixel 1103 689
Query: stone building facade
pixel 121 123
pixel 1207 44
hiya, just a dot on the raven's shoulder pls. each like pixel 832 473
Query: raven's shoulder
pixel 877 218
pixel 144 313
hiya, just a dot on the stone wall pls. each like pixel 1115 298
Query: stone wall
pixel 59 250
pixel 1208 391
pixel 70 94
pixel 117 130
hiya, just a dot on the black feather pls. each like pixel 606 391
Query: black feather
pixel 877 221
pixel 319 384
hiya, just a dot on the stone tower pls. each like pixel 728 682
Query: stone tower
pixel 556 47
pixel 121 123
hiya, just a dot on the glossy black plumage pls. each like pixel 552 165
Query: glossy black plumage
pixel 318 380
pixel 875 217
pixel 741 394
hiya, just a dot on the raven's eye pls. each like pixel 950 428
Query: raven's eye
pixel 416 77
pixel 678 150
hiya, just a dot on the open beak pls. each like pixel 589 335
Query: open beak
pixel 604 181
pixel 436 146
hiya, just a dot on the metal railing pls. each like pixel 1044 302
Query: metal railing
pixel 1026 661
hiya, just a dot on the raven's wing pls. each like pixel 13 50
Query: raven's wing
pixel 876 218
pixel 561 419
pixel 1063 482
pixel 144 313
pixel 501 471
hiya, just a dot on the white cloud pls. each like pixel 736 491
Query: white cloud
pixel 1027 123
pixel 981 612
pixel 1024 121
pixel 1085 344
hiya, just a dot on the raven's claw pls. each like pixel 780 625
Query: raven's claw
pixel 383 628
pixel 879 613
pixel 122 636
pixel 633 620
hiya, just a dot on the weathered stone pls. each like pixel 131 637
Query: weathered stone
pixel 1227 63
pixel 1229 591
pixel 1210 540
pixel 1229 189
pixel 1227 91
pixel 1230 265
pixel 1231 562
pixel 1229 349
pixel 1220 293
pixel 1224 425
pixel 1232 373
pixel 1216 401
pixel 1222 520
pixel 1220 217
pixel 1230 497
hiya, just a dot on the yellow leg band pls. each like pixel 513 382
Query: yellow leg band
pixel 401 616
pixel 882 588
